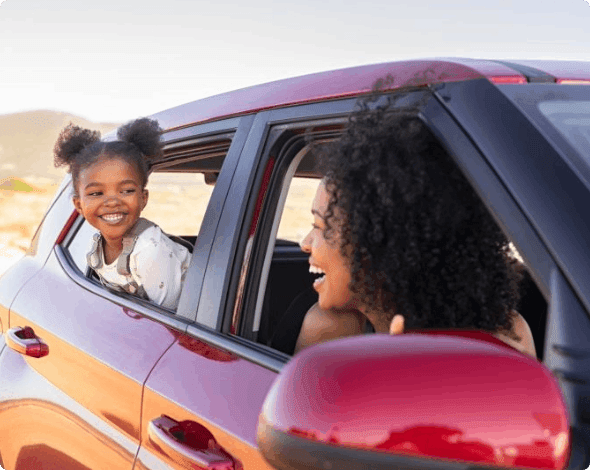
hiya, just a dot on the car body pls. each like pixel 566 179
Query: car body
pixel 94 379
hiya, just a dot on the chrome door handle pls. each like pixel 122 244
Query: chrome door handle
pixel 189 443
pixel 24 341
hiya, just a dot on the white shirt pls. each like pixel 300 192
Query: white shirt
pixel 157 264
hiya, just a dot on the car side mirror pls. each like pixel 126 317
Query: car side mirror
pixel 453 400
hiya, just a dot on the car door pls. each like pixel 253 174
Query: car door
pixel 79 406
pixel 197 410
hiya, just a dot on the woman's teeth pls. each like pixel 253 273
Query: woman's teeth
pixel 319 280
pixel 315 270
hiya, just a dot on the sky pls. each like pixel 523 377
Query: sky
pixel 115 60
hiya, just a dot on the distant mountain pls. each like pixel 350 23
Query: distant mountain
pixel 15 184
pixel 27 140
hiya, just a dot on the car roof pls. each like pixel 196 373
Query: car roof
pixel 354 81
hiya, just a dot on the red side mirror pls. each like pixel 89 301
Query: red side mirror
pixel 414 401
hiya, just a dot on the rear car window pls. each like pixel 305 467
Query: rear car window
pixel 572 120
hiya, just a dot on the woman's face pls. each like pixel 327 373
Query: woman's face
pixel 326 259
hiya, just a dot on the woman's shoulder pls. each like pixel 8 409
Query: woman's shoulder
pixel 520 336
pixel 322 325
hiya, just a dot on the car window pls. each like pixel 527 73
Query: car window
pixel 280 287
pixel 179 191
pixel 171 197
pixel 279 269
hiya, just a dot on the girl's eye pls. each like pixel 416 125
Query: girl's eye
pixel 96 193
pixel 129 191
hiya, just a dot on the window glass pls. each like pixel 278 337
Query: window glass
pixel 80 244
pixel 177 202
pixel 572 119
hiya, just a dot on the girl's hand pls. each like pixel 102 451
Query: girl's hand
pixel 397 325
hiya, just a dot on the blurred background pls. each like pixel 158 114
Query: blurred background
pixel 100 64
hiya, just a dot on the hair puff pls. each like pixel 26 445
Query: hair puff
pixel 144 133
pixel 71 141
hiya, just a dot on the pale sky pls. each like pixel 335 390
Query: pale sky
pixel 115 60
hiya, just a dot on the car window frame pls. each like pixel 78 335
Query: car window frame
pixel 239 127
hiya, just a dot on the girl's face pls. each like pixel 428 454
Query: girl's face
pixel 326 258
pixel 110 197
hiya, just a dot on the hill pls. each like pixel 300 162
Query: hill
pixel 15 184
pixel 27 139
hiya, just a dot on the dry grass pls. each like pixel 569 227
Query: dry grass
pixel 21 213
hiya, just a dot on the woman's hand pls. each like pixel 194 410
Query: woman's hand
pixel 397 325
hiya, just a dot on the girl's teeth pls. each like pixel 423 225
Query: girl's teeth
pixel 112 218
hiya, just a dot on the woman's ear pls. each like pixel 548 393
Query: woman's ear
pixel 397 325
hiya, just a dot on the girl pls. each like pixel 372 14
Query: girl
pixel 400 239
pixel 129 253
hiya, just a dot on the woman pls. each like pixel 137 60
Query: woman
pixel 401 240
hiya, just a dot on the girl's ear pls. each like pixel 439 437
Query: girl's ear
pixel 146 194
pixel 77 204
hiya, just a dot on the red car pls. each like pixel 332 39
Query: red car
pixel 95 379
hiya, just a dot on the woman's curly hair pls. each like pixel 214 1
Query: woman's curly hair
pixel 419 240
pixel 138 144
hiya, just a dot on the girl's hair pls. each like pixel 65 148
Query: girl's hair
pixel 419 240
pixel 139 143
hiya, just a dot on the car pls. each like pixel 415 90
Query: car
pixel 96 379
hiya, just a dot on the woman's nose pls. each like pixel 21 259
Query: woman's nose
pixel 306 243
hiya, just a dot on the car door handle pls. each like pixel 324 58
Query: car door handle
pixel 190 443
pixel 24 341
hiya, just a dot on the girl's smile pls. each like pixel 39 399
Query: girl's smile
pixel 110 197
